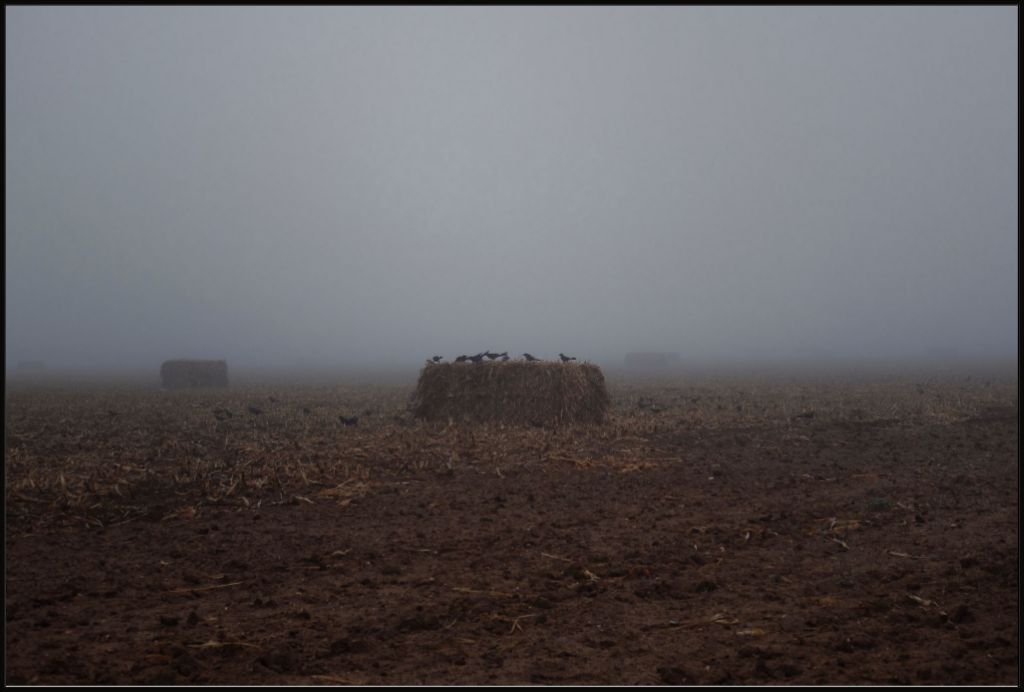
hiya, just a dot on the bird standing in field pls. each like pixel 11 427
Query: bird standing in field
pixel 565 358
pixel 354 420
pixel 255 411
pixel 462 359
pixel 478 358
pixel 437 359
pixel 530 358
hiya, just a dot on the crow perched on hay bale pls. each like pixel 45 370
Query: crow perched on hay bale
pixel 512 392
pixel 175 374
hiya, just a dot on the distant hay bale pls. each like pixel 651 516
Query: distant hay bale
pixel 651 361
pixel 177 374
pixel 516 393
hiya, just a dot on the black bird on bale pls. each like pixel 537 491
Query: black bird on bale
pixel 530 358
pixel 491 356
pixel 437 359
pixel 462 359
pixel 565 358
pixel 504 356
pixel 478 358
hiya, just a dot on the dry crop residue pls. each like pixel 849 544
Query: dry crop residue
pixel 742 532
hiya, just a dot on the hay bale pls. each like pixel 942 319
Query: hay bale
pixel 516 393
pixel 651 361
pixel 176 374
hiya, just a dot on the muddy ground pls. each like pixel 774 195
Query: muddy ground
pixel 770 532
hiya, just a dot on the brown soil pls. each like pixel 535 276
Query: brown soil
pixel 816 534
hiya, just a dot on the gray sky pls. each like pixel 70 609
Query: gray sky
pixel 320 185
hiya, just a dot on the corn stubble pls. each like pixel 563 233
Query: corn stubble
pixel 102 456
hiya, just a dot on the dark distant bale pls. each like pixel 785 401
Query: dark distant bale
pixel 176 374
pixel 651 361
pixel 516 393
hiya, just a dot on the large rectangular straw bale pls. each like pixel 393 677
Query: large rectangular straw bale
pixel 516 392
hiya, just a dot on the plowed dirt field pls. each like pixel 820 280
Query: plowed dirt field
pixel 744 531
